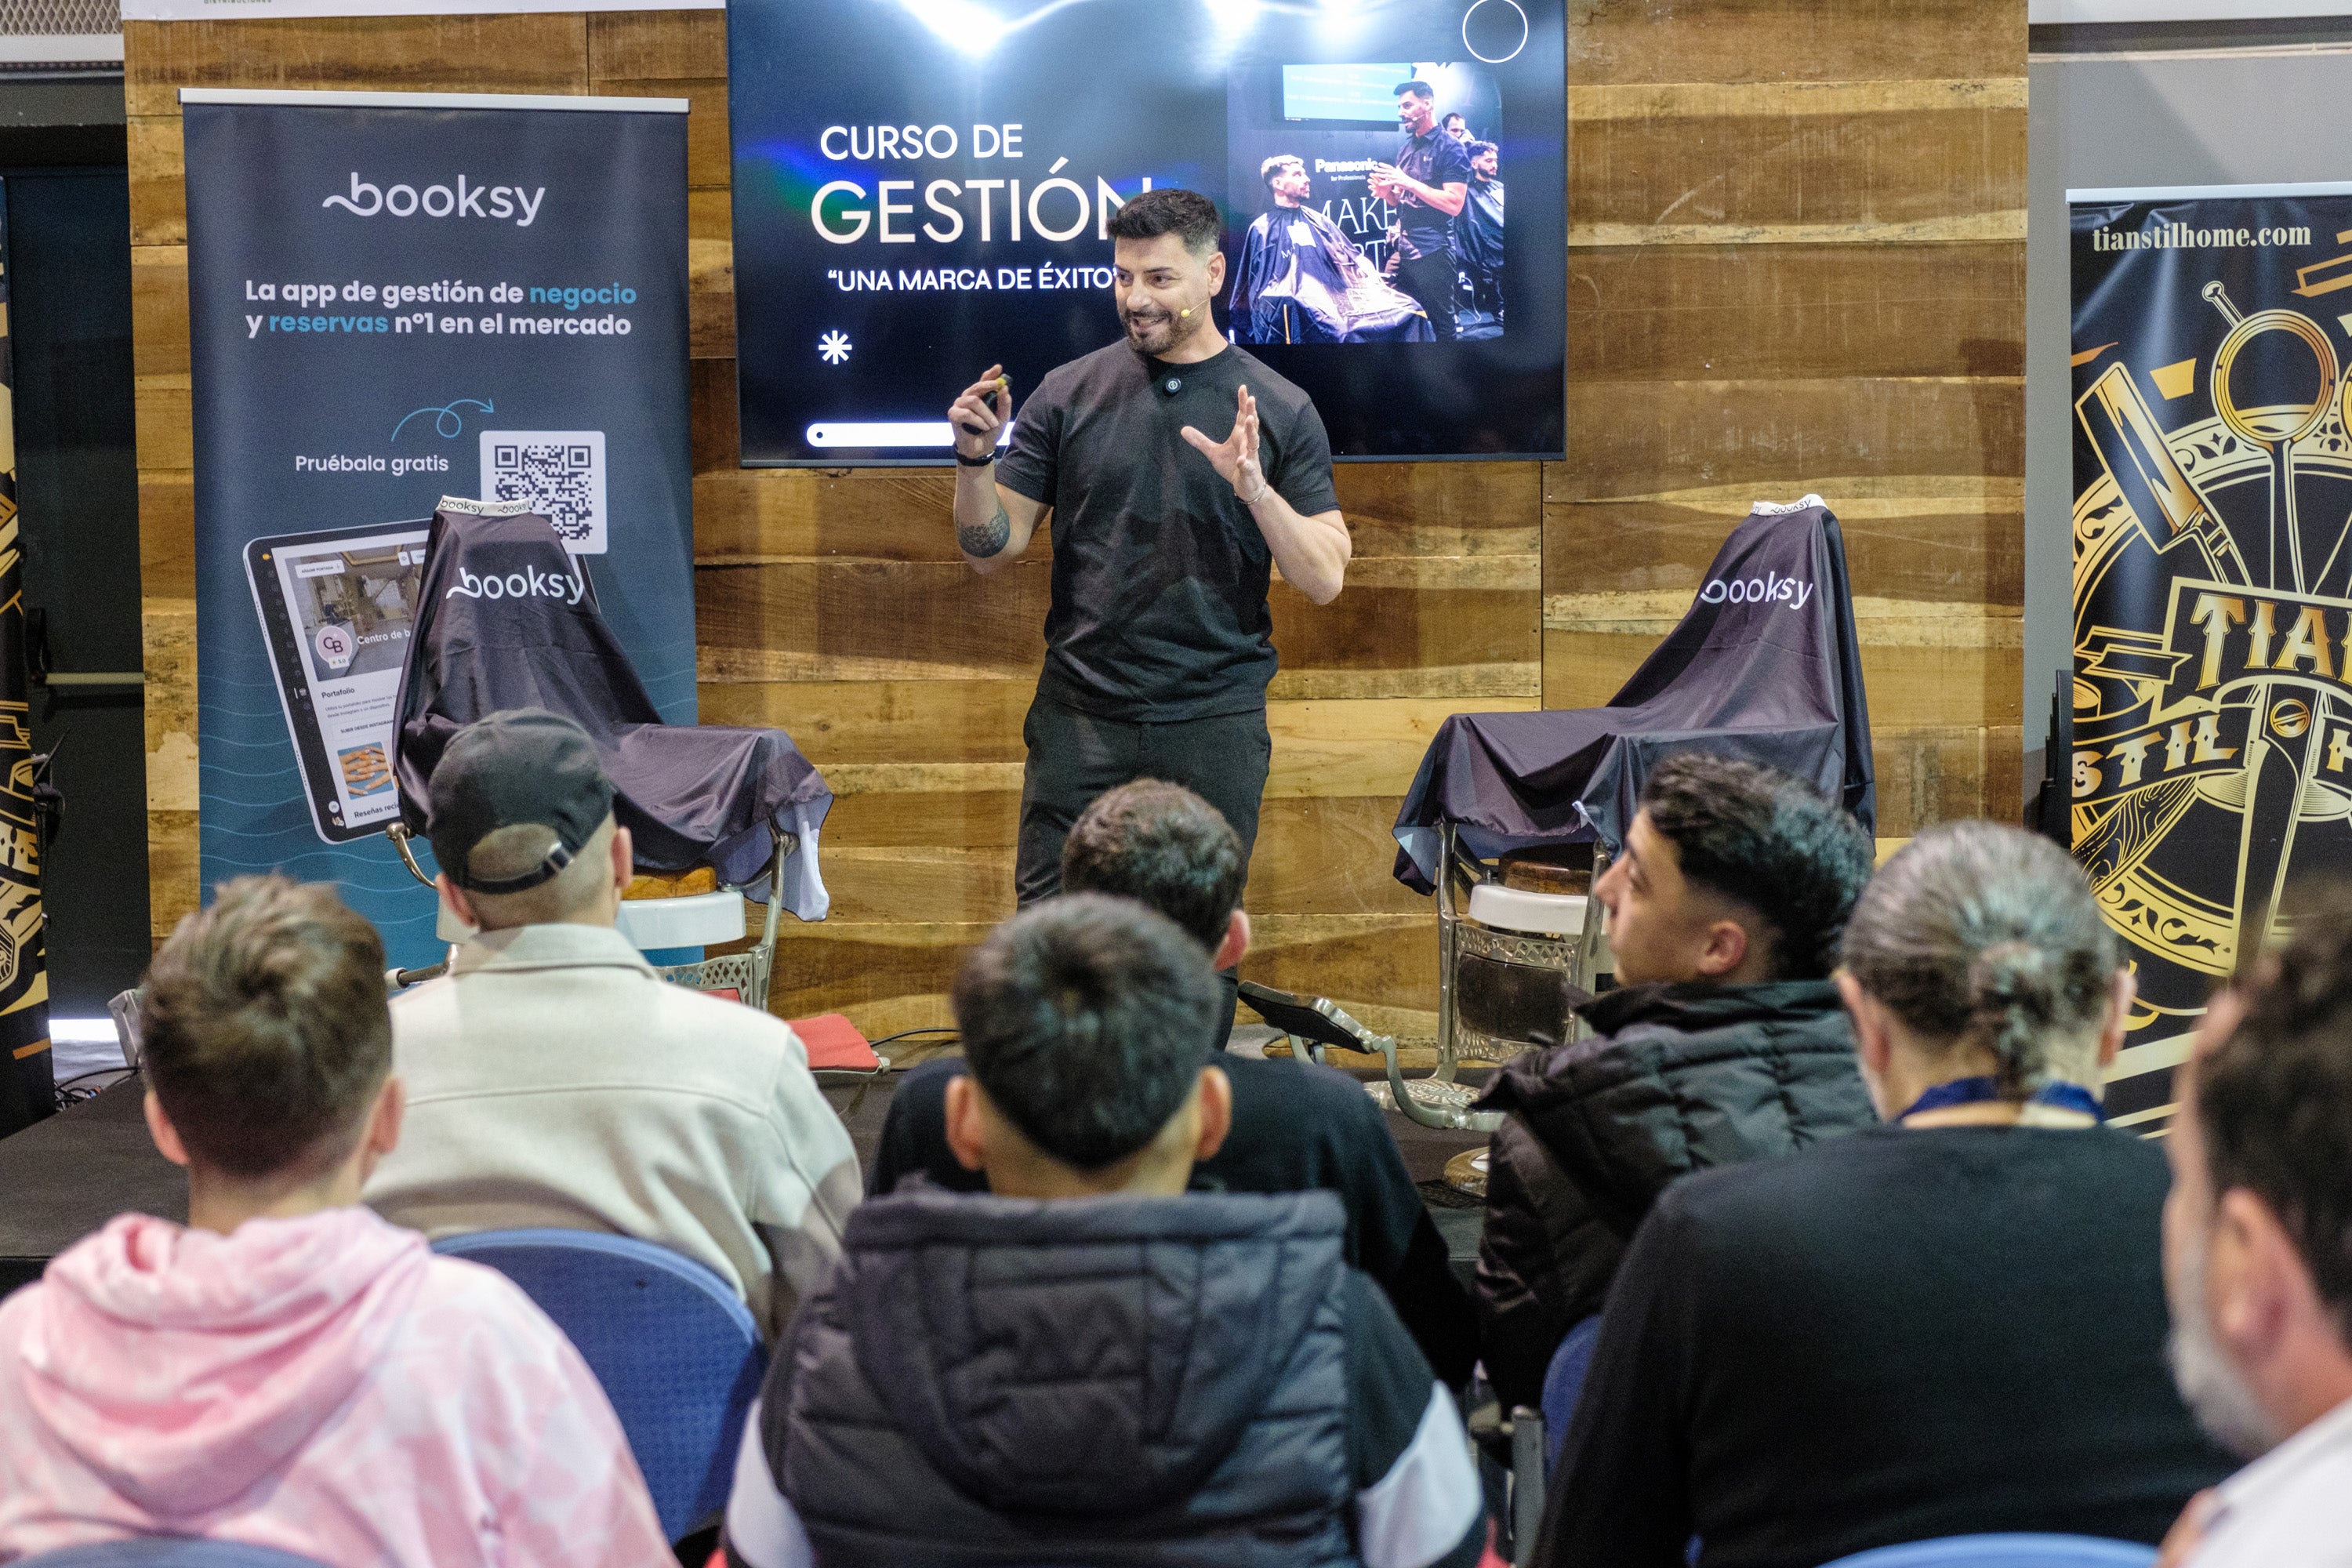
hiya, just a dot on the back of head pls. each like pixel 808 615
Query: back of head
pixel 2274 1100
pixel 1163 847
pixel 1975 933
pixel 1188 215
pixel 265 1029
pixel 511 852
pixel 1086 1020
pixel 522 819
pixel 1770 842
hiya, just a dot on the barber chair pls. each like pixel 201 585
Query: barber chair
pixel 719 813
pixel 1512 815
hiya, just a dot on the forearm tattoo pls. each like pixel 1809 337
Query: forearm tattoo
pixel 983 540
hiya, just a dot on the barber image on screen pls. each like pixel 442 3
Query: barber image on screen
pixel 1157 639
pixel 1302 280
pixel 1478 240
pixel 1427 184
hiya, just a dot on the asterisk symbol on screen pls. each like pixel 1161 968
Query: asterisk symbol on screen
pixel 832 348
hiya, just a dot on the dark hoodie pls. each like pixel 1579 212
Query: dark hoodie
pixel 1676 1078
pixel 1182 1379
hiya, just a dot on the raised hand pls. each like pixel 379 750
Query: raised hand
pixel 1235 457
pixel 980 413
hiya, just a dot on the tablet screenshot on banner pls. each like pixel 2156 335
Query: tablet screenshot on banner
pixel 345 602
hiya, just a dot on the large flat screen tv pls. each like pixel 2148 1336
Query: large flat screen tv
pixel 920 190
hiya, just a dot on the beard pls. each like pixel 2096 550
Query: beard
pixel 2209 1384
pixel 1155 331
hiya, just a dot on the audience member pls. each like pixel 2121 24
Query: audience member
pixel 1724 1041
pixel 554 1080
pixel 1952 1324
pixel 288 1371
pixel 2258 1259
pixel 1090 1362
pixel 1296 1125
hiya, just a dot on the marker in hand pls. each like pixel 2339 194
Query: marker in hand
pixel 985 409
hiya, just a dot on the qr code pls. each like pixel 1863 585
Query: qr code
pixel 560 472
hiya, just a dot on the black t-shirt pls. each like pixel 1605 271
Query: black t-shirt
pixel 1296 1126
pixel 1159 571
pixel 1896 1335
pixel 1436 159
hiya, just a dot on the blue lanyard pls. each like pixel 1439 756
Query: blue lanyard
pixel 1971 1090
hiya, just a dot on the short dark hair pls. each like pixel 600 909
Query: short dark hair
pixel 1480 149
pixel 1188 215
pixel 2274 1100
pixel 1086 1020
pixel 1453 114
pixel 1415 85
pixel 1770 842
pixel 1163 847
pixel 264 1027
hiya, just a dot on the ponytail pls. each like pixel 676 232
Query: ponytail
pixel 1977 934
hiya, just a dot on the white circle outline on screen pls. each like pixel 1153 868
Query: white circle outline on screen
pixel 1493 60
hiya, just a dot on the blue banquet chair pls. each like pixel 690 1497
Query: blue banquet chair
pixel 677 1350
pixel 2004 1550
pixel 1563 1381
pixel 167 1552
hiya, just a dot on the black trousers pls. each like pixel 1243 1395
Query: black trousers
pixel 1075 757
pixel 1432 281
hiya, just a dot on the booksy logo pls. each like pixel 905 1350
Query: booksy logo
pixel 532 584
pixel 1770 588
pixel 467 200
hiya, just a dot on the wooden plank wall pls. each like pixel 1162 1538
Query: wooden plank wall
pixel 1798 264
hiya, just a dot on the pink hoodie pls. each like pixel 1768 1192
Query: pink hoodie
pixel 324 1385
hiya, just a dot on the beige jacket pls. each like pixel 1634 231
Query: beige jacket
pixel 554 1080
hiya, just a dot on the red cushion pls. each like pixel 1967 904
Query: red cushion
pixel 832 1041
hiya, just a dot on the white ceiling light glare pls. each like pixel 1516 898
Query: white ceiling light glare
pixel 1232 18
pixel 972 27
pixel 1495 30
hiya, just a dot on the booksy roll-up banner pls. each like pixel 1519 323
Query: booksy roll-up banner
pixel 26 1075
pixel 2212 532
pixel 392 298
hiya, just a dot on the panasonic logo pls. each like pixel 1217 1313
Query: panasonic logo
pixel 531 584
pixel 467 200
pixel 1771 588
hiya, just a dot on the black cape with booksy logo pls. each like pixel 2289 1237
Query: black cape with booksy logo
pixel 507 618
pixel 1763 666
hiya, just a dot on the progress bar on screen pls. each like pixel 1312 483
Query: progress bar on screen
pixel 931 432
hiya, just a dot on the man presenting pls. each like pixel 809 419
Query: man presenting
pixel 1157 645
pixel 1427 184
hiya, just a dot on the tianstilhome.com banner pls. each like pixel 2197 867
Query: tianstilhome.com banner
pixel 2212 531
pixel 393 298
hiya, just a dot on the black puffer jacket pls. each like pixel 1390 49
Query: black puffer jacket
pixel 1677 1079
pixel 989 1380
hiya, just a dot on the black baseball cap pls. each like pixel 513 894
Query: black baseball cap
pixel 522 767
